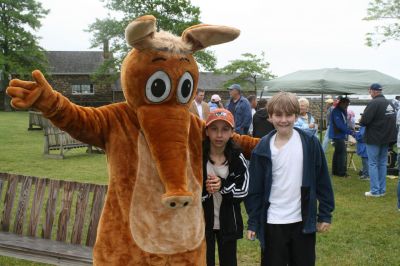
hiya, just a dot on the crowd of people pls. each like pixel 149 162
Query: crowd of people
pixel 285 213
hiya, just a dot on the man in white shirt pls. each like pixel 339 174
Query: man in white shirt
pixel 199 107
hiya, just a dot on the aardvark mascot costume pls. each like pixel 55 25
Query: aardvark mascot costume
pixel 153 212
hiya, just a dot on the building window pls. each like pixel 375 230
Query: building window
pixel 83 89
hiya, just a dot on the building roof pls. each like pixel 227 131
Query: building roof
pixel 212 81
pixel 74 62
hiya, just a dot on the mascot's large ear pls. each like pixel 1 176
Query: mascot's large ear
pixel 140 31
pixel 203 35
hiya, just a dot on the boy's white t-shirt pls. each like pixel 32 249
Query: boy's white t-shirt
pixel 287 175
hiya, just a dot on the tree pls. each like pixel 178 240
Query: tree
pixel 251 69
pixel 173 15
pixel 20 52
pixel 387 13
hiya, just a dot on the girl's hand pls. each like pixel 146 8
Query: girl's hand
pixel 213 184
pixel 323 227
pixel 251 235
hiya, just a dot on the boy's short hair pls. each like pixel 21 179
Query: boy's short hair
pixel 283 102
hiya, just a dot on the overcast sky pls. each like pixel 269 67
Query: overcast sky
pixel 295 35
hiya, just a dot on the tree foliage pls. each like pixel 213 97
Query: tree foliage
pixel 250 68
pixel 387 14
pixel 173 16
pixel 20 51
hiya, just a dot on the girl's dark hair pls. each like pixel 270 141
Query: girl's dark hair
pixel 231 149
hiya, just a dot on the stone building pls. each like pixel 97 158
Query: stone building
pixel 70 74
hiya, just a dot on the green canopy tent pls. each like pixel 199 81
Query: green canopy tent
pixel 332 81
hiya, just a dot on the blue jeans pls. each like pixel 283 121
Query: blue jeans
pixel 377 162
pixel 325 142
pixel 364 166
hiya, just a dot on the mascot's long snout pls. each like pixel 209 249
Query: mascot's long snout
pixel 167 132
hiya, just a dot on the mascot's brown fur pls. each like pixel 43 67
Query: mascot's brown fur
pixel 153 213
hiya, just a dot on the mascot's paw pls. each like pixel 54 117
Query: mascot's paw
pixel 25 94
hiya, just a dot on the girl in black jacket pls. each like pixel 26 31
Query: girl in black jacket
pixel 225 184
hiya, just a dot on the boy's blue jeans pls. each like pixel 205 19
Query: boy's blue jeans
pixel 364 170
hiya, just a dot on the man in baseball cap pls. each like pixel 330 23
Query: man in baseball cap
pixel 375 87
pixel 235 87
pixel 379 119
pixel 240 107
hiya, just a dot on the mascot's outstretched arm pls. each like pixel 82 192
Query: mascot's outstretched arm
pixel 83 123
pixel 247 143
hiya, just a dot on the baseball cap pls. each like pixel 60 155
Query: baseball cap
pixel 235 87
pixel 329 101
pixel 376 87
pixel 220 114
pixel 215 98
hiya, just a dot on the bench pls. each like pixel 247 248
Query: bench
pixel 49 221
pixel 56 139
pixel 35 119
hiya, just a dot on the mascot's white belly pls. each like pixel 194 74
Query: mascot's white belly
pixel 155 228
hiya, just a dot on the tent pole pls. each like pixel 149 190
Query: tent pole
pixel 322 118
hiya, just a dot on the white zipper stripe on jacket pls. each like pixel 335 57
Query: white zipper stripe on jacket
pixel 243 191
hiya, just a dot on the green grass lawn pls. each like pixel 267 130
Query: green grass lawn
pixel 365 231
pixel 21 152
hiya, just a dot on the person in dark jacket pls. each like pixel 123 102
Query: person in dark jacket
pixel 261 125
pixel 338 131
pixel 225 184
pixel 379 119
pixel 290 193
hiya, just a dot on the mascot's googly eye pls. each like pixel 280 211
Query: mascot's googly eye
pixel 185 88
pixel 158 87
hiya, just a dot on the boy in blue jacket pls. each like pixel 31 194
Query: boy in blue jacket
pixel 290 193
pixel 362 152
